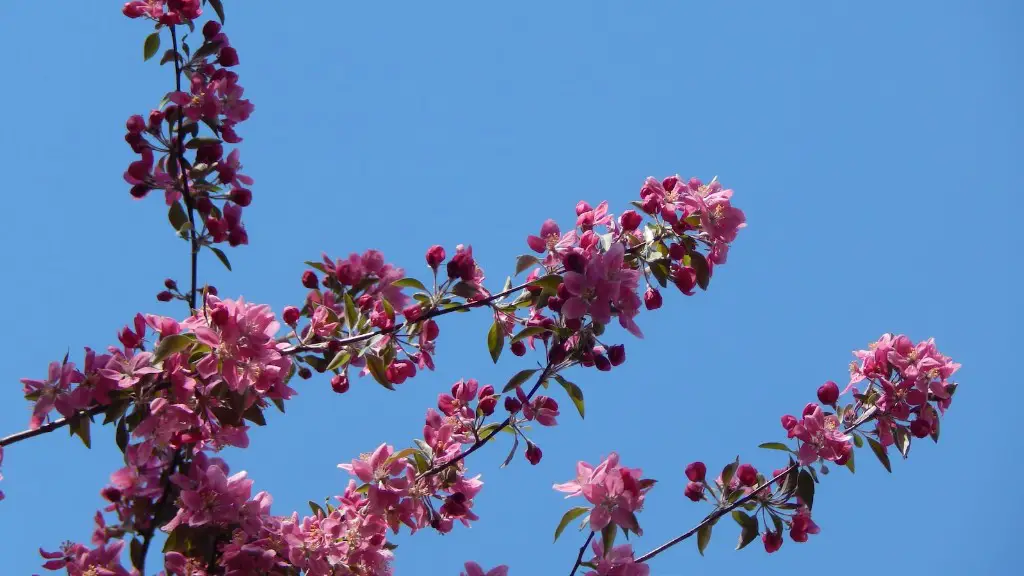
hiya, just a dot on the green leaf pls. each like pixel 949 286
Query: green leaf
pixel 195 143
pixel 135 551
pixel 341 358
pixel 850 464
pixel 703 537
pixel 222 257
pixel 805 488
pixel 569 517
pixel 858 441
pixel 218 8
pixel 121 436
pixel 750 528
pixel 409 283
pixel 530 331
pixel 935 434
pixel 775 446
pixel 379 370
pixel 512 452
pixel 150 46
pixel 524 262
pixel 255 415
pixel 80 427
pixel 548 283
pixel 177 217
pixel 351 316
pixel 170 345
pixel 464 290
pixel 495 340
pixel 401 454
pixel 700 265
pixel 518 379
pixel 575 394
pixel 660 270
pixel 903 441
pixel 316 508
pixel 728 472
pixel 880 453
pixel 608 537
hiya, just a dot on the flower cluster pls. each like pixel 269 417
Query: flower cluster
pixel 908 385
pixel 214 98
pixel 615 492
pixel 168 12
pixel 617 561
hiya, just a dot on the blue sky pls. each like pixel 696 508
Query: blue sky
pixel 874 147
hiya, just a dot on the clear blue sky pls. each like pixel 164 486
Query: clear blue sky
pixel 875 147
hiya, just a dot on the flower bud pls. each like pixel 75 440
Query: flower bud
pixel 136 124
pixel 430 330
pixel 227 57
pixel 676 251
pixel 696 471
pixel 134 9
pixel 170 284
pixel 555 304
pixel 617 354
pixel 694 491
pixel 165 296
pixel 747 475
pixel 339 383
pixel 211 290
pixel 412 312
pixel 512 405
pixel 309 280
pixel 204 205
pixel 435 256
pixel 140 191
pixel 290 315
pixel 487 405
pixel 772 541
pixel 582 207
pixel 533 453
pixel 573 324
pixel 557 353
pixel 828 393
pixel 575 262
pixel 305 373
pixel 241 196
pixel 630 220
pixel 220 315
pixel 211 29
pixel 518 348
pixel 602 363
pixel 789 421
pixel 652 298
pixel 156 118
pixel 920 428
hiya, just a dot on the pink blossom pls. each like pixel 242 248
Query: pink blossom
pixel 54 392
pixel 474 569
pixel 802 525
pixel 822 437
pixel 619 561
pixel 616 493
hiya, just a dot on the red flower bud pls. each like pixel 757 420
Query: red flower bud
pixel 828 393
pixel 772 541
pixel 555 304
pixel 412 313
pixel 630 220
pixel 134 9
pixel 575 262
pixel 747 475
pixel 789 421
pixel 557 353
pixel 602 363
pixel 165 296
pixel 582 207
pixel 512 405
pixel 309 280
pixel 170 284
pixel 241 196
pixel 220 315
pixel 676 251
pixel 228 57
pixel 211 29
pixel 435 256
pixel 211 290
pixel 617 354
pixel 696 471
pixel 694 491
pixel 652 298
pixel 204 205
pixel 487 405
pixel 339 383
pixel 140 190
pixel 518 348
pixel 431 330
pixel 573 324
pixel 290 315
pixel 305 373
pixel 136 124
pixel 533 453
pixel 920 428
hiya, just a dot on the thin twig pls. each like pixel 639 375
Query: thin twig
pixel 579 557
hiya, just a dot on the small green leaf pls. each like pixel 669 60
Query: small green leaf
pixel 858 441
pixel 850 464
pixel 750 528
pixel 80 424
pixel 495 340
pixel 805 488
pixel 530 331
pixel 569 517
pixel 660 270
pixel 409 283
pixel 728 472
pixel 316 508
pixel 903 441
pixel 150 46
pixel 255 415
pixel 775 446
pixel 575 394
pixel 177 217
pixel 524 262
pixel 608 537
pixel 880 453
pixel 401 454
pixel 518 379
pixel 703 537
pixel 351 316
pixel 222 257
pixel 341 358
pixel 218 8
pixel 700 265
pixel 195 143
pixel 548 283
pixel 464 290
pixel 170 345
pixel 379 370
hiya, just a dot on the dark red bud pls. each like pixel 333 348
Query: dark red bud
pixel 828 393
pixel 747 475
pixel 305 373
pixel 339 383
pixel 533 453
pixel 241 196
pixel 140 190
pixel 602 363
pixel 309 280
pixel 228 57
pixel 630 220
pixel 435 256
pixel 211 29
pixel 694 491
pixel 518 348
pixel 652 299
pixel 617 354
pixel 920 428
pixel 165 296
pixel 696 471
pixel 512 405
pixel 290 315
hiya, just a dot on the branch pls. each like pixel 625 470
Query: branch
pixel 479 443
pixel 718 513
pixel 579 557
pixel 58 423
